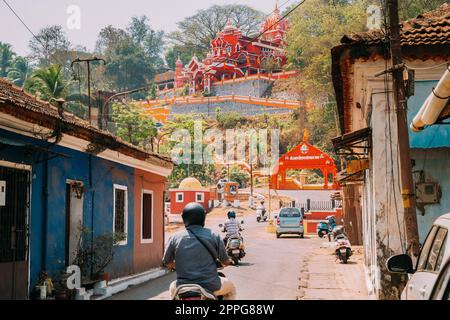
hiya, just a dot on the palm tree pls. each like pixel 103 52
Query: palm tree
pixel 50 82
pixel 19 71
pixel 6 58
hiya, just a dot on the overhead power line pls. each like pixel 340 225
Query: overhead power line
pixel 23 22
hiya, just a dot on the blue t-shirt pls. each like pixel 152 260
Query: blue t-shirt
pixel 193 261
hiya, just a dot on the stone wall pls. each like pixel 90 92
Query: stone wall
pixel 255 88
pixel 209 110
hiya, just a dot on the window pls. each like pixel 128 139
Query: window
pixel 421 265
pixel 179 197
pixel 147 217
pixel 436 249
pixel 200 197
pixel 120 219
pixel 290 213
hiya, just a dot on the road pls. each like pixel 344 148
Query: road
pixel 270 271
pixel 301 195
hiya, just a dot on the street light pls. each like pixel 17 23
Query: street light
pixel 88 63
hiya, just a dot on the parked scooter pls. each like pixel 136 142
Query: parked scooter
pixel 322 228
pixel 235 247
pixel 343 249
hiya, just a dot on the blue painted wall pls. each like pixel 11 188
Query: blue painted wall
pixel 431 152
pixel 98 202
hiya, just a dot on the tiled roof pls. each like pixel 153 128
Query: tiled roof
pixel 425 36
pixel 31 109
pixel 431 28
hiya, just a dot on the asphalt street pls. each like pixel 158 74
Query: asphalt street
pixel 269 271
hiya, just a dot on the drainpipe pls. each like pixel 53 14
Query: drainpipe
pixel 434 105
pixel 44 215
pixel 92 211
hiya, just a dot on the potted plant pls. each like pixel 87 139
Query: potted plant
pixel 103 254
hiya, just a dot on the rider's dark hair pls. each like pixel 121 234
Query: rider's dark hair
pixel 231 215
pixel 194 214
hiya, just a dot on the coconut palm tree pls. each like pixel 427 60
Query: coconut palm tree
pixel 19 71
pixel 49 82
pixel 6 58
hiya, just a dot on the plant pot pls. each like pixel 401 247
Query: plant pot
pixel 104 277
pixel 61 295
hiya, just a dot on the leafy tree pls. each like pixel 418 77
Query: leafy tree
pixel 205 173
pixel 412 8
pixel 19 71
pixel 237 175
pixel 128 66
pixel 6 58
pixel 132 126
pixel 49 82
pixel 175 52
pixel 196 32
pixel 150 40
pixel 50 46
pixel 315 29
pixel 108 38
pixel 133 55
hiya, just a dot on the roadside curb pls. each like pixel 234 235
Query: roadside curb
pixel 122 284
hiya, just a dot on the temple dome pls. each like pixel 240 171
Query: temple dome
pixel 190 183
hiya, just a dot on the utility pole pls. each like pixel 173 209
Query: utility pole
pixel 88 63
pixel 407 184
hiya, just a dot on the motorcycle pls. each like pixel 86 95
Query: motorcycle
pixel 195 292
pixel 235 247
pixel 343 248
pixel 192 292
pixel 322 228
pixel 261 215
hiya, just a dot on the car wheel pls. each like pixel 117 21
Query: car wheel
pixel 302 235
pixel 278 235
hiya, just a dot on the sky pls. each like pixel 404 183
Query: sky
pixel 96 14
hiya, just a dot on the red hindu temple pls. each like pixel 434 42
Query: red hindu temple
pixel 304 156
pixel 233 55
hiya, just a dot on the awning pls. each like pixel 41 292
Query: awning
pixel 437 106
pixel 353 143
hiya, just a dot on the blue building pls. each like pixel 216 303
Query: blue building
pixel 430 151
pixel 62 180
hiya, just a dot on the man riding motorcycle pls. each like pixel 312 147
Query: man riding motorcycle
pixel 195 254
pixel 232 227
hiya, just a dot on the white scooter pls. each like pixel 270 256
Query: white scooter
pixel 343 249
pixel 261 214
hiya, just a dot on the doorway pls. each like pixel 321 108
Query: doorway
pixel 74 219
pixel 14 232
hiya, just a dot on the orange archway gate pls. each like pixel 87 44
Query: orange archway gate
pixel 303 156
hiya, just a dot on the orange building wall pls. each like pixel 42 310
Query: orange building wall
pixel 189 196
pixel 148 255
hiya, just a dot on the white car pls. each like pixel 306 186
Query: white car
pixel 430 278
